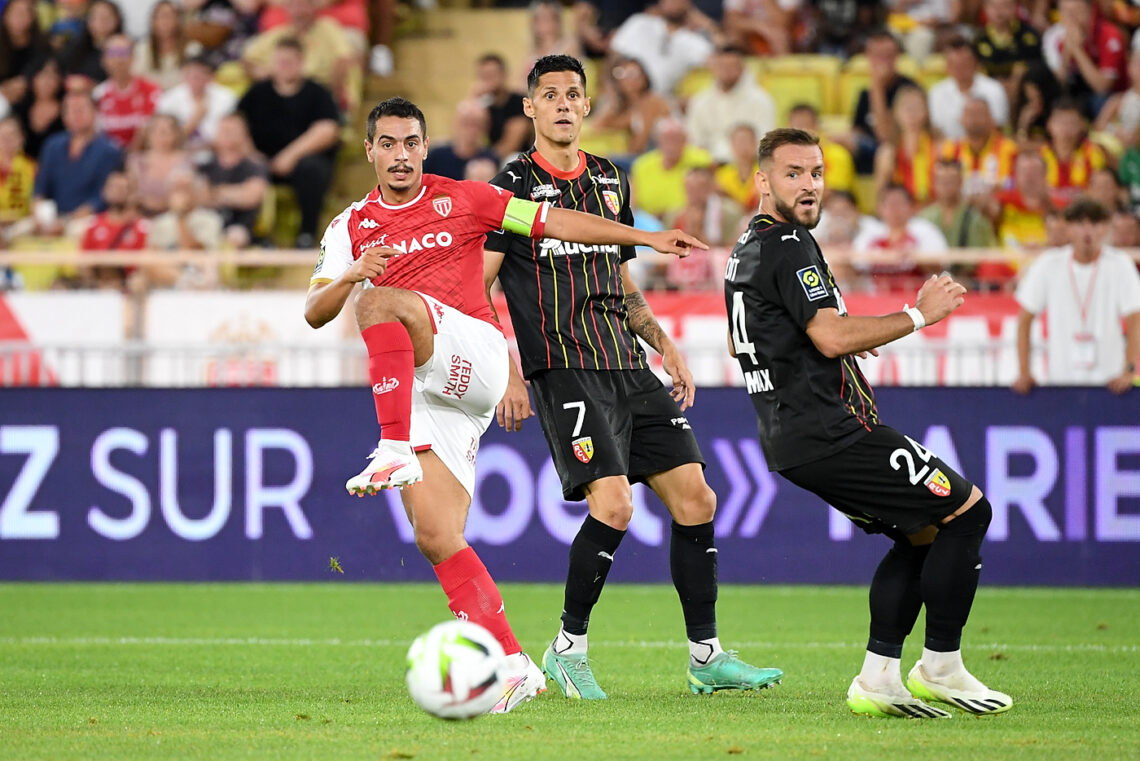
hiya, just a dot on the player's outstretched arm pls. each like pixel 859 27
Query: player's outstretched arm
pixel 838 336
pixel 325 299
pixel 645 326
pixel 579 227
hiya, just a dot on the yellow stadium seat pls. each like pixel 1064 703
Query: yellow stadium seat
pixel 41 277
pixel 933 70
pixel 695 81
pixel 604 142
pixel 799 79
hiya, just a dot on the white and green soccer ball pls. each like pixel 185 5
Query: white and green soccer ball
pixel 455 670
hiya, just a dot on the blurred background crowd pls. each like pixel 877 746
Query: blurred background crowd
pixel 212 124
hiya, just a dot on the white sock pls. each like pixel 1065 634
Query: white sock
pixel 703 651
pixel 938 665
pixel 394 445
pixel 882 674
pixel 569 644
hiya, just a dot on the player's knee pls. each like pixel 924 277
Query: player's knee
pixel 436 545
pixel 697 507
pixel 616 514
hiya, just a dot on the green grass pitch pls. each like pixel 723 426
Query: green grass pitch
pixel 286 671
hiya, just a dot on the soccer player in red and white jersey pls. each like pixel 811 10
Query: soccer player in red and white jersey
pixel 437 360
pixel 125 101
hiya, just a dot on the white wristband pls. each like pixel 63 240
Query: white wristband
pixel 915 316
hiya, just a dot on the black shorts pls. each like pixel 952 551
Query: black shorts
pixel 885 483
pixel 602 423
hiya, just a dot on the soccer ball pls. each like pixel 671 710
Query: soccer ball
pixel 455 670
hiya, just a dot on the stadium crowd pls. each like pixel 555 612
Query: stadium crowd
pixel 167 124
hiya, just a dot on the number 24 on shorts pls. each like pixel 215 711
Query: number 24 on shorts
pixel 931 477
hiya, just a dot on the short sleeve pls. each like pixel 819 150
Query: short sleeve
pixel 1030 293
pixel 798 278
pixel 336 251
pixel 324 107
pixel 488 202
pixel 626 217
pixel 510 180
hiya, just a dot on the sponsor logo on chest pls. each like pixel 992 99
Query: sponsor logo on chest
pixel 411 245
pixel 552 247
pixel 544 191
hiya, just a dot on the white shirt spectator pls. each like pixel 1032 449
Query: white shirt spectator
pixel 179 102
pixel 667 56
pixel 947 101
pixel 1081 300
pixel 922 235
pixel 714 113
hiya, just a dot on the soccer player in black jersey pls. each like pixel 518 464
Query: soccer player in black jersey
pixel 820 429
pixel 607 418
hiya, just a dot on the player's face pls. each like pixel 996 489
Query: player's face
pixel 397 152
pixel 558 107
pixel 791 186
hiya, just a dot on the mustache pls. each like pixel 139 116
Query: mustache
pixel 399 168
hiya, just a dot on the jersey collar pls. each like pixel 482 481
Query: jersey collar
pixel 380 199
pixel 573 174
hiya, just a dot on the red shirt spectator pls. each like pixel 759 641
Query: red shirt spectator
pixel 125 102
pixel 112 232
pixel 1102 43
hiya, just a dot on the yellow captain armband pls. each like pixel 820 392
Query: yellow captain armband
pixel 525 217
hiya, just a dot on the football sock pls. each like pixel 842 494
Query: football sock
pixel 692 561
pixel 700 653
pixel 881 673
pixel 591 555
pixel 947 669
pixel 896 598
pixel 473 596
pixel 569 644
pixel 391 368
pixel 950 576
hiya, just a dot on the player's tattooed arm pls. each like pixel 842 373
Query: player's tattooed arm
pixel 642 321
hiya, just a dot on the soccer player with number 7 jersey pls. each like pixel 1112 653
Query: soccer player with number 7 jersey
pixel 437 360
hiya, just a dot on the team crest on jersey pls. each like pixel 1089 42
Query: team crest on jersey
pixel 612 201
pixel 812 283
pixel 442 205
pixel 584 448
pixel 938 483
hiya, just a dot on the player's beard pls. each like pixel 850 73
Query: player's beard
pixel 790 213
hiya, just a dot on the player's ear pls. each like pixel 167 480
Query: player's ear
pixel 368 149
pixel 587 111
pixel 763 188
pixel 528 108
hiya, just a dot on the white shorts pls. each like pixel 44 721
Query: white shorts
pixel 456 391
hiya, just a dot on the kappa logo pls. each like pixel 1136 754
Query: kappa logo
pixel 385 385
pixel 791 237
pixel 368 224
pixel 812 283
pixel 544 191
pixel 442 204
pixel 583 448
pixel 438 312
pixel 612 201
pixel 938 483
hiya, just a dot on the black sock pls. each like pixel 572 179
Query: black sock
pixel 950 576
pixel 692 560
pixel 591 555
pixel 896 598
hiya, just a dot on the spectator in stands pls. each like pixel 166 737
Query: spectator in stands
pixel 159 56
pixel 468 141
pixel 381 24
pixel 295 123
pixel 186 224
pixel 65 22
pixel 595 22
pixel 73 167
pixel 41 110
pixel 732 98
pixel 1124 229
pixel 1070 157
pixel 907 157
pixel 1037 90
pixel 328 53
pixel 1019 213
pixel 664 43
pixel 873 121
pixel 924 23
pixel 948 97
pixel 22 43
pixel 762 27
pixel 117 228
pixel 1105 189
pixel 657 177
pixel 350 15
pixel 841 222
pixel 737 178
pixel 1006 45
pixel 160 162
pixel 84 55
pixel 125 101
pixel 840 26
pixel 17 174
pixel 481 169
pixel 895 241
pixel 713 218
pixel 547 36
pixel 1128 171
pixel 1086 290
pixel 237 181
pixel 198 103
pixel 960 222
pixel 1120 116
pixel 222 27
pixel 632 106
pixel 839 167
pixel 986 154
pixel 1086 53
pixel 509 129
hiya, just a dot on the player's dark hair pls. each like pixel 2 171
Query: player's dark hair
pixel 775 138
pixel 1086 209
pixel 549 64
pixel 399 107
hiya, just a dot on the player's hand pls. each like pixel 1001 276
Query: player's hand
pixel 675 242
pixel 868 353
pixel 684 389
pixel 514 407
pixel 938 297
pixel 372 263
pixel 1121 384
pixel 1024 384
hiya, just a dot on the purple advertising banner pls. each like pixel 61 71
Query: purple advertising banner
pixel 248 484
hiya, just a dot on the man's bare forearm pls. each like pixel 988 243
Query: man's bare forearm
pixel 642 322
